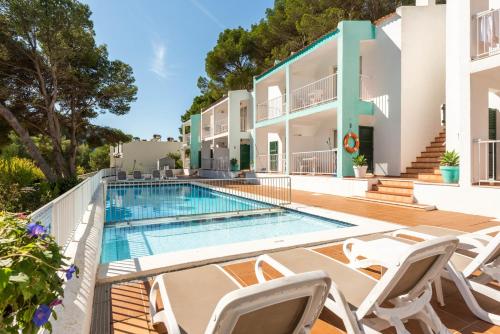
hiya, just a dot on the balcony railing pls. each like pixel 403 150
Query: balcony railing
pixel 487 161
pixel 220 126
pixel 215 163
pixel 314 162
pixel 207 131
pixel 320 91
pixel 486 33
pixel 271 163
pixel 272 108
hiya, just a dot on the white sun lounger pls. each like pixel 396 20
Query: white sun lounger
pixel 209 300
pixel 360 300
pixel 482 253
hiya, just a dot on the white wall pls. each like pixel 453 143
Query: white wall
pixel 236 99
pixel 145 154
pixel 422 77
pixel 382 65
pixel 478 200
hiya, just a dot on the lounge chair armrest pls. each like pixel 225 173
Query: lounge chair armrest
pixel 489 230
pixel 259 272
pixel 166 316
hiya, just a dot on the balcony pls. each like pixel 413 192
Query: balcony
pixel 318 92
pixel 272 108
pixel 207 131
pixel 271 163
pixel 220 126
pixel 314 162
pixel 485 32
pixel 487 161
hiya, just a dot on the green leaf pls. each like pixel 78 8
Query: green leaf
pixel 4 277
pixel 20 278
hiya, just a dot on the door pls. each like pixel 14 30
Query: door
pixel 366 145
pixel 273 156
pixel 244 156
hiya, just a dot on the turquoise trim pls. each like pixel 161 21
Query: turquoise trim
pixel 298 54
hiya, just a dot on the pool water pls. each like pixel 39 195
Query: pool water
pixel 120 243
pixel 136 202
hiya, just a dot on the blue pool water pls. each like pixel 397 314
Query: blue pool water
pixel 136 202
pixel 120 243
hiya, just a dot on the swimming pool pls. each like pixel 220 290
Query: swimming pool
pixel 148 201
pixel 121 243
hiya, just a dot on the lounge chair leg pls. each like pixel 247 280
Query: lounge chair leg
pixel 438 286
pixel 465 290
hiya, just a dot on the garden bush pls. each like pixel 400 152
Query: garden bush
pixel 20 171
pixel 32 273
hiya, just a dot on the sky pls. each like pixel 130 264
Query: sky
pixel 165 42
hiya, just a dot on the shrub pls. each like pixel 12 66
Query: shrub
pixel 32 272
pixel 19 171
pixel 99 158
pixel 177 158
pixel 450 158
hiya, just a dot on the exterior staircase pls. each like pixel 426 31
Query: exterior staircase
pixel 394 192
pixel 399 191
pixel 426 166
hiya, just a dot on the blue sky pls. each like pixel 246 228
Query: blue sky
pixel 165 42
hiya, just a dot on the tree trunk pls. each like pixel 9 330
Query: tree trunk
pixel 33 151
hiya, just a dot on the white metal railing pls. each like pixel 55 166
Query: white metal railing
pixel 215 163
pixel 131 200
pixel 207 131
pixel 272 108
pixel 62 215
pixel 487 161
pixel 314 162
pixel 486 33
pixel 317 92
pixel 220 126
pixel 271 163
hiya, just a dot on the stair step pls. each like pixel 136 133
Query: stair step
pixel 428 159
pixel 431 154
pixel 413 170
pixel 399 204
pixel 409 175
pixel 440 149
pixel 437 144
pixel 396 183
pixel 390 197
pixel 420 164
pixel 394 190
pixel 439 140
pixel 430 177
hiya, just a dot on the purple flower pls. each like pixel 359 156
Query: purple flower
pixel 36 230
pixel 55 302
pixel 41 316
pixel 70 271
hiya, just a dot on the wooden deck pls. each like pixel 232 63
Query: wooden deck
pixel 123 307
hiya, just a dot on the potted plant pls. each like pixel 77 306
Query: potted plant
pixel 449 166
pixel 234 164
pixel 360 165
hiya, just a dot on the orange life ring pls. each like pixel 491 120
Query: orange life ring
pixel 347 146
